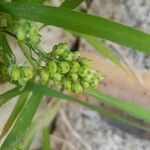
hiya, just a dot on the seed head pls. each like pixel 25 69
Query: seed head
pixel 71 71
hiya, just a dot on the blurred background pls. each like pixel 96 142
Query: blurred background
pixel 77 128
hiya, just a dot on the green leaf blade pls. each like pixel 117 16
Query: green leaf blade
pixel 22 123
pixel 42 120
pixel 131 108
pixel 46 143
pixel 9 94
pixel 18 107
pixel 82 23
pixel 71 4
pixel 53 93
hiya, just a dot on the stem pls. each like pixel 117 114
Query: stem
pixel 27 53
pixel 40 54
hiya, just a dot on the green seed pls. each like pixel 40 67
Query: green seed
pixel 21 36
pixel 34 30
pixel 77 88
pixel 35 39
pixel 64 67
pixel 27 72
pixel 58 50
pixel 67 84
pixel 52 66
pixel 94 83
pixel 89 77
pixel 68 55
pixel 23 80
pixel 83 72
pixel 15 73
pixel 73 77
pixel 56 76
pixel 65 54
pixel 85 62
pixel 44 75
pixel 99 75
pixel 75 66
pixel 64 46
pixel 85 84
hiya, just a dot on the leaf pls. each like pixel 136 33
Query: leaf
pixel 42 120
pixel 46 144
pixel 18 107
pixel 82 23
pixel 28 111
pixel 53 93
pixel 10 94
pixel 131 108
pixel 23 122
pixel 71 4
pixel 28 138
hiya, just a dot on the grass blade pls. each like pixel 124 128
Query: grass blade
pixel 23 122
pixel 131 108
pixel 53 93
pixel 71 4
pixel 18 107
pixel 42 120
pixel 46 143
pixel 82 23
pixel 10 94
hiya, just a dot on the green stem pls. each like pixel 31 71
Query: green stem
pixel 42 55
pixel 27 53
